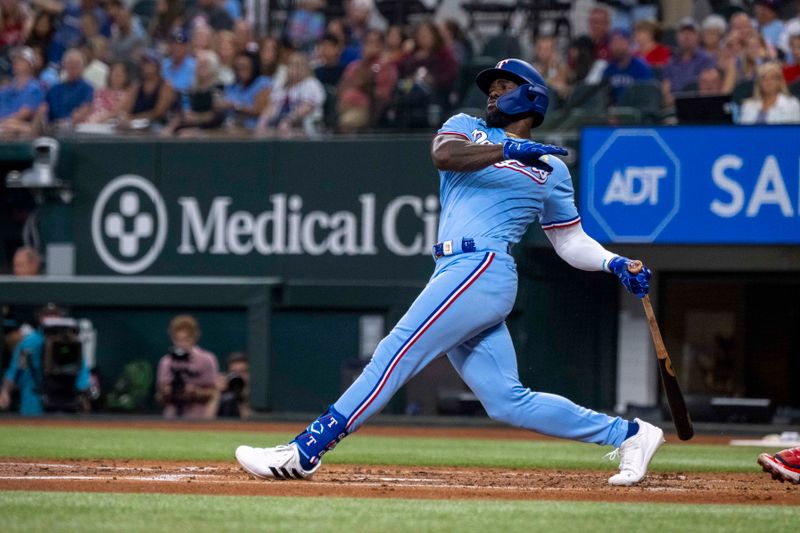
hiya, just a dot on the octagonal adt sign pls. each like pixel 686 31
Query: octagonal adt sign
pixel 634 185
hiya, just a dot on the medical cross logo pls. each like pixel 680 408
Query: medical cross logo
pixel 129 224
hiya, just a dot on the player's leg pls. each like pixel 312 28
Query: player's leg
pixel 783 466
pixel 488 365
pixel 467 294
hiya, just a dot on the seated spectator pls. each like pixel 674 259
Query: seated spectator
pixel 767 13
pixel 296 108
pixel 754 54
pixel 20 99
pixel 647 34
pixel 234 388
pixel 771 102
pixel 186 376
pixel 42 34
pixel 150 98
pixel 96 71
pixel 205 99
pixel 742 28
pixel 367 86
pixel 212 13
pixel 68 33
pixel 70 101
pixel 398 45
pixel 270 56
pixel 581 65
pixel 456 40
pixel 306 25
pixel 709 82
pixel 16 20
pixel 47 73
pixel 108 101
pixel 26 262
pixel 352 48
pixel 714 28
pixel 791 72
pixel 202 38
pixel 329 54
pixel 249 95
pixel 169 15
pixel 599 27
pixel 178 68
pixel 689 61
pixel 127 40
pixel 623 67
pixel 430 72
pixel 548 62
pixel 28 371
pixel 225 47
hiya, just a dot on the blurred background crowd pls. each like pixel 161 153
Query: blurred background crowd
pixel 304 67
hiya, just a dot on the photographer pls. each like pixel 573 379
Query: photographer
pixel 186 375
pixel 47 368
pixel 234 388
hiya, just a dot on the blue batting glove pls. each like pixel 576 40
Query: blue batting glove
pixel 636 284
pixel 529 152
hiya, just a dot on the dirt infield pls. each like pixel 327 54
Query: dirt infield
pixel 129 476
pixel 390 482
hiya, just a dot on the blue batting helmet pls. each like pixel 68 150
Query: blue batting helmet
pixel 530 97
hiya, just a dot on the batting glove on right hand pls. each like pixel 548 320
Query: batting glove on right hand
pixel 529 152
pixel 636 284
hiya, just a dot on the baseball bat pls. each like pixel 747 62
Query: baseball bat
pixel 675 400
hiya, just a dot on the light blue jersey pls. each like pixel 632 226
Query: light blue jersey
pixel 500 202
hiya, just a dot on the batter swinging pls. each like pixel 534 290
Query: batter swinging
pixel 494 183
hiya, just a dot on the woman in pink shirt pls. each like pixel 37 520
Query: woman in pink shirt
pixel 106 104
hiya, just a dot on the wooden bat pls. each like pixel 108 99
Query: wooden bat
pixel 675 400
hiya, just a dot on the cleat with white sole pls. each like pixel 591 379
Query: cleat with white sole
pixel 635 454
pixel 281 462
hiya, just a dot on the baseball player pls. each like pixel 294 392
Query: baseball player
pixel 783 466
pixel 494 183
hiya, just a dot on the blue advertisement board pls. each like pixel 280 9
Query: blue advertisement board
pixel 691 185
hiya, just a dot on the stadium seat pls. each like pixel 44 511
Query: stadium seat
pixel 589 97
pixel 742 91
pixel 644 96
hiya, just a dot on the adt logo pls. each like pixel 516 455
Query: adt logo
pixel 634 185
pixel 129 224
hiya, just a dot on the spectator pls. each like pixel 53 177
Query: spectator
pixel 767 13
pixel 42 34
pixel 742 28
pixel 367 86
pixel 151 97
pixel 709 82
pixel 398 45
pixel 714 28
pixel 296 108
pixel 754 54
pixel 791 72
pixel 90 27
pixel 26 262
pixel 550 65
pixel 211 13
pixel 205 99
pixel 96 71
pixel 202 38
pixel 689 61
pixel 361 16
pixel 46 73
pixel 623 67
pixel 178 68
pixel 234 388
pixel 28 370
pixel 68 34
pixel 771 102
pixel 169 15
pixel 329 53
pixel 454 38
pixel 243 34
pixel 16 21
pixel 127 41
pixel 70 101
pixel 430 72
pixel 599 27
pixel 20 99
pixel 108 101
pixel 186 376
pixel 352 49
pixel 306 25
pixel 271 60
pixel 249 95
pixel 581 63
pixel 225 46
pixel 647 34
pixel 234 8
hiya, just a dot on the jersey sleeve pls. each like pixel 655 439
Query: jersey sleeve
pixel 559 209
pixel 460 125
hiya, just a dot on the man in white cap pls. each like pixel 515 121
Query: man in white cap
pixel 20 99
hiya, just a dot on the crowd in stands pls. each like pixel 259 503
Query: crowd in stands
pixel 197 67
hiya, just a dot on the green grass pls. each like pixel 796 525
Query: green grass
pixel 114 443
pixel 53 511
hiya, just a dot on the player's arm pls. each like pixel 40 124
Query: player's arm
pixel 453 152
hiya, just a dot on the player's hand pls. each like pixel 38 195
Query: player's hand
pixel 529 152
pixel 636 284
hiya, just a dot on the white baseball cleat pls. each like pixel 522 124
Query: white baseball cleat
pixel 635 454
pixel 280 462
